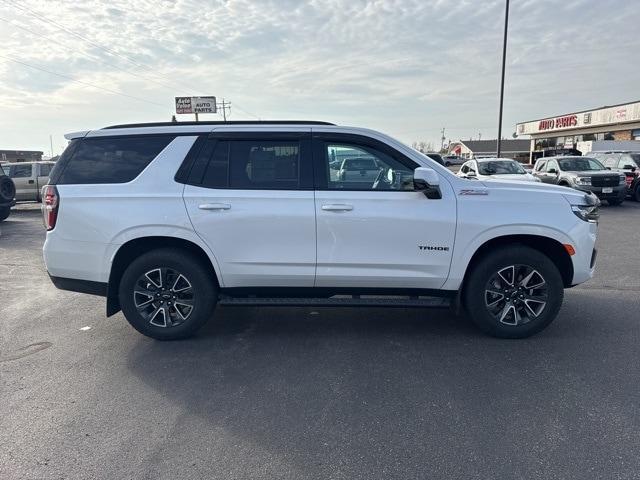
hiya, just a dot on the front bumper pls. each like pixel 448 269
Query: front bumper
pixel 619 192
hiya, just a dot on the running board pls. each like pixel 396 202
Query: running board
pixel 341 301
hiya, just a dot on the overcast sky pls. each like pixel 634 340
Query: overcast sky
pixel 405 67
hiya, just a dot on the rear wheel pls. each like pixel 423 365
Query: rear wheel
pixel 4 213
pixel 167 294
pixel 636 193
pixel 513 293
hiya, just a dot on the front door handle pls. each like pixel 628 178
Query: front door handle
pixel 31 182
pixel 214 206
pixel 337 207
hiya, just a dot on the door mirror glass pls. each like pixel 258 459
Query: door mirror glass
pixel 426 180
pixel 552 170
pixel 471 173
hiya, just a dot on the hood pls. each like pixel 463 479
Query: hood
pixel 592 173
pixel 574 197
pixel 513 177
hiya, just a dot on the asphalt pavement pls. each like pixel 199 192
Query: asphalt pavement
pixel 319 393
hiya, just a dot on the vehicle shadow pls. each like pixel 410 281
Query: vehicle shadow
pixel 355 389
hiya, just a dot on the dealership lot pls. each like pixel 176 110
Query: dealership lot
pixel 318 393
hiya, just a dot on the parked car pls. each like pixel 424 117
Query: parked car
pixel 583 173
pixel 7 194
pixel 626 162
pixel 435 156
pixel 452 160
pixel 359 169
pixel 495 169
pixel 167 220
pixel 29 178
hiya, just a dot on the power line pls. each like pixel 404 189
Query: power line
pixel 92 57
pixel 114 92
pixel 110 51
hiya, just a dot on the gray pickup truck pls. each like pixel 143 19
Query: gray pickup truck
pixel 29 178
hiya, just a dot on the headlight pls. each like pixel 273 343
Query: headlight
pixel 582 180
pixel 623 180
pixel 588 213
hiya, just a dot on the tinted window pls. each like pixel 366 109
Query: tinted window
pixel 376 170
pixel 112 159
pixel 540 166
pixel 20 171
pixel 500 167
pixel 217 172
pixel 45 168
pixel 262 164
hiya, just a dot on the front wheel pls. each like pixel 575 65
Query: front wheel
pixel 513 292
pixel 636 193
pixel 4 213
pixel 167 294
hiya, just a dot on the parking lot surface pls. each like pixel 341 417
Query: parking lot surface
pixel 338 393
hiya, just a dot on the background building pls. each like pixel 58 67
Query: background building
pixel 568 131
pixel 516 149
pixel 8 156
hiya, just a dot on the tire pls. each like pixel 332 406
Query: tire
pixel 615 202
pixel 636 193
pixel 4 213
pixel 169 282
pixel 520 312
pixel 7 189
pixel 447 164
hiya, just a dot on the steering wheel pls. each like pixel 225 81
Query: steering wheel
pixel 381 180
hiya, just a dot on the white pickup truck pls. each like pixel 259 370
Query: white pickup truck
pixel 167 220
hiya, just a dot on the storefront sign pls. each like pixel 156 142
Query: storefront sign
pixel 595 118
pixel 196 105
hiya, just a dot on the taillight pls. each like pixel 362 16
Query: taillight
pixel 50 203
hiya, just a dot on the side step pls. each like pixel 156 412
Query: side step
pixel 339 301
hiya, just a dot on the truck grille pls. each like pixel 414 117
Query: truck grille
pixel 605 181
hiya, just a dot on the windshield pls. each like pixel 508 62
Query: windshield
pixel 501 167
pixel 580 164
pixel 2 171
pixel 635 157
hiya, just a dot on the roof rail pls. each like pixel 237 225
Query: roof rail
pixel 232 122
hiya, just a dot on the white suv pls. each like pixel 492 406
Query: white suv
pixel 168 219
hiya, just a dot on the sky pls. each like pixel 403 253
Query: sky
pixel 405 67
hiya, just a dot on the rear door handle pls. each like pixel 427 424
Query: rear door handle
pixel 214 206
pixel 31 182
pixel 337 207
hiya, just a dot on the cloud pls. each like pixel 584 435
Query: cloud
pixel 397 65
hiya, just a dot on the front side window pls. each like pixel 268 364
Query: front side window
pixel 364 168
pixel 20 171
pixel 630 160
pixel 540 166
pixel 112 159
pixel 552 165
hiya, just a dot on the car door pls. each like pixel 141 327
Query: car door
pixel 24 180
pixel 250 198
pixel 539 169
pixel 552 172
pixel 380 234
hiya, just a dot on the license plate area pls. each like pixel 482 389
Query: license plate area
pixel 607 189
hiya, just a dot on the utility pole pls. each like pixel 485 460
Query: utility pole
pixel 225 106
pixel 479 135
pixel 443 139
pixel 504 58
pixel 51 145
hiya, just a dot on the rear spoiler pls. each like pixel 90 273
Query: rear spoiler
pixel 72 135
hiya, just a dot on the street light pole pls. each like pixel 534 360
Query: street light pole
pixel 504 58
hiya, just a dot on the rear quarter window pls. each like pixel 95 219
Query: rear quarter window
pixel 111 159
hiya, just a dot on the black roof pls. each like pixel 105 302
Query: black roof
pixel 232 122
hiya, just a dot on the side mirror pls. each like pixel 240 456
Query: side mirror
pixel 427 181
pixel 552 170
pixel 471 173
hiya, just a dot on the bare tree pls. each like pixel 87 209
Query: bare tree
pixel 422 146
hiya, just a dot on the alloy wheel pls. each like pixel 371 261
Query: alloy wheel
pixel 164 297
pixel 516 294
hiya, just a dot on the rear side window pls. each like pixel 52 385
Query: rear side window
pixel 264 164
pixel 20 171
pixel 45 168
pixel 112 159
